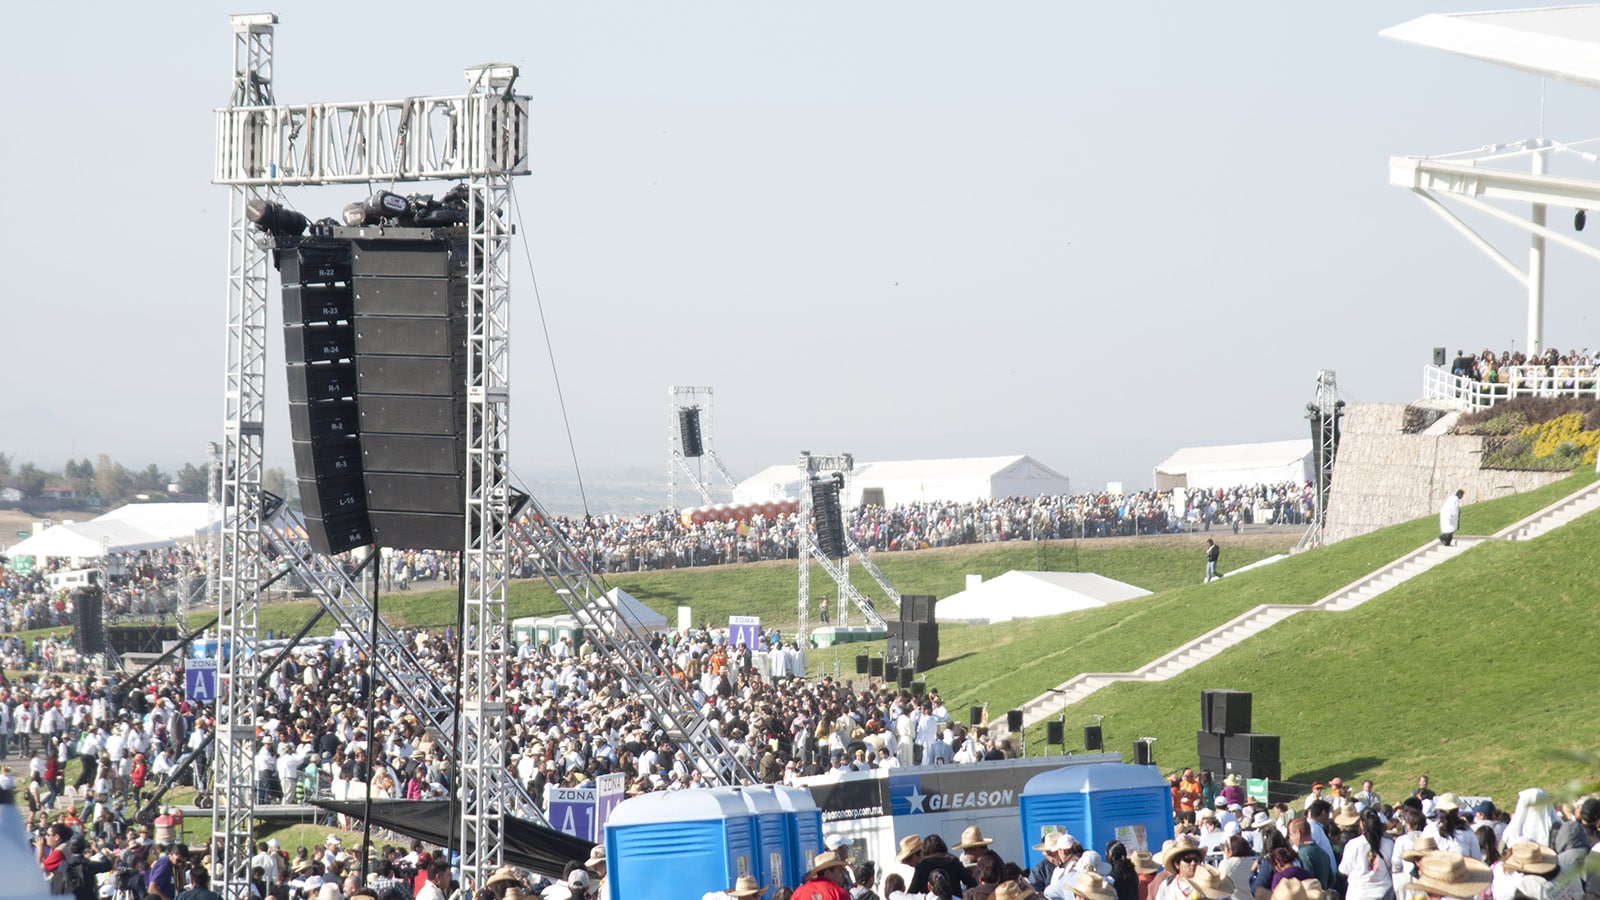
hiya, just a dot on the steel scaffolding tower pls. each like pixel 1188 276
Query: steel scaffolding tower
pixel 244 392
pixel 700 399
pixel 813 466
pixel 1324 415
pixel 481 138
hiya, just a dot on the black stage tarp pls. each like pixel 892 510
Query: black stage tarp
pixel 527 845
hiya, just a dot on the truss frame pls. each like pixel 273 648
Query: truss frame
pixel 1476 181
pixel 481 136
pixel 683 397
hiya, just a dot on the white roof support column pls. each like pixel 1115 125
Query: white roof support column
pixel 1541 166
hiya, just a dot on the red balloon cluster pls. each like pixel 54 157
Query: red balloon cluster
pixel 743 512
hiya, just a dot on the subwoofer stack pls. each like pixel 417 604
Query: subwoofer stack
pixel 914 640
pixel 375 338
pixel 1225 743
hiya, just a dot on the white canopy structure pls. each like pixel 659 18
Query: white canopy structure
pixel 1231 465
pixel 634 612
pixel 1027 595
pixel 1513 181
pixel 896 482
pixel 88 540
pixel 178 521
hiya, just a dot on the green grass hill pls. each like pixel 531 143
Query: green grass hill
pixel 1473 673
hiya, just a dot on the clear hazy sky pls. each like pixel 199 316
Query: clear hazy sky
pixel 1091 232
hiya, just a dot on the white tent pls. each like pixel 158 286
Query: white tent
pixel 1027 595
pixel 633 612
pixel 1236 464
pixel 780 482
pixel 896 482
pixel 88 540
pixel 178 521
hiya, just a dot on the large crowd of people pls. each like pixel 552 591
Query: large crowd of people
pixel 663 540
pixel 570 720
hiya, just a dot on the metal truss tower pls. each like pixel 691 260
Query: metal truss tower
pixel 681 398
pixel 244 392
pixel 481 138
pixel 1324 415
pixel 813 467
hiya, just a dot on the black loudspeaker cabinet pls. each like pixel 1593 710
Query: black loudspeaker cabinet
pixel 376 335
pixel 1053 733
pixel 1013 720
pixel 918 688
pixel 1208 744
pixel 1216 765
pixel 1439 357
pixel 325 498
pixel 875 667
pixel 916 608
pixel 139 638
pixel 1251 747
pixel 1225 712
pixel 1093 739
pixel 861 664
pixel 827 518
pixel 891 670
pixel 88 626
pixel 1246 769
pixel 689 432
pixel 975 716
pixel 1142 755
pixel 905 679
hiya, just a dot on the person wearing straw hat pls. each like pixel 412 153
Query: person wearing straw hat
pixel 1525 871
pixel 502 878
pixel 1013 890
pixel 596 864
pixel 1445 874
pixel 1090 885
pixel 1403 864
pixel 936 857
pixel 906 859
pixel 1064 853
pixel 746 886
pixel 1367 864
pixel 972 845
pixel 1039 875
pixel 1451 833
pixel 825 880
pixel 1297 889
pixel 1179 859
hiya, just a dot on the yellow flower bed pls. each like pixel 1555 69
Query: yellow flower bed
pixel 1549 436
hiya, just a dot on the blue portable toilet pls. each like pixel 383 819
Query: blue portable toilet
pixel 1098 803
pixel 804 820
pixel 774 856
pixel 668 845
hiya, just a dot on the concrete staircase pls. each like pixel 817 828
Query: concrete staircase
pixel 1349 597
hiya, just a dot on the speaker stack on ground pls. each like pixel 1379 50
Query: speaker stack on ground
pixel 914 640
pixel 375 336
pixel 1225 743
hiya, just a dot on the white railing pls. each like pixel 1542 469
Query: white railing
pixel 1438 383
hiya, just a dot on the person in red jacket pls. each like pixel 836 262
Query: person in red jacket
pixel 825 881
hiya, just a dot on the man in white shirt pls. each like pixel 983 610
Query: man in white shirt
pixel 438 881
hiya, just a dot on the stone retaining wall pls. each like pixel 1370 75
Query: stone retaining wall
pixel 1382 476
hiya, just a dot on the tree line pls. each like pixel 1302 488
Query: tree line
pixel 109 482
